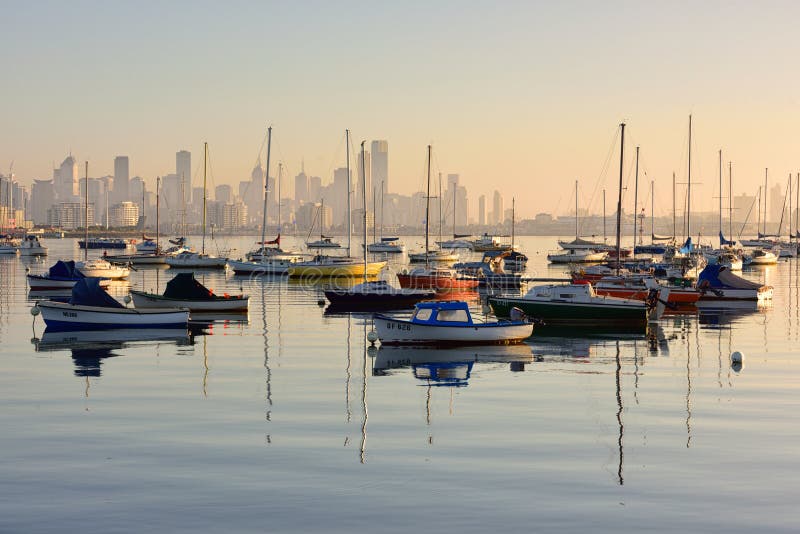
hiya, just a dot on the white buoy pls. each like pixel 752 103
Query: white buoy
pixel 372 336
pixel 35 310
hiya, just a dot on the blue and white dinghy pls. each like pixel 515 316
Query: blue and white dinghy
pixel 448 323
pixel 91 308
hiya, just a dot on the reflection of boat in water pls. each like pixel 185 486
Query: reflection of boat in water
pixel 90 347
pixel 447 365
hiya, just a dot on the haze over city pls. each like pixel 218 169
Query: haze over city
pixel 517 97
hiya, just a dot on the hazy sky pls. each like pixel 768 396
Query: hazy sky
pixel 523 97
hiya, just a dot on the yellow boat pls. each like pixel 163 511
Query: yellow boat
pixel 332 266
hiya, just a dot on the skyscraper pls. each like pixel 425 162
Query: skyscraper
pixel 183 170
pixel 482 210
pixel 301 187
pixel 380 165
pixel 497 208
pixel 65 180
pixel 121 179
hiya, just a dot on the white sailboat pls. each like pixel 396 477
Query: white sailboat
pixel 266 260
pixel 201 260
pixel 99 267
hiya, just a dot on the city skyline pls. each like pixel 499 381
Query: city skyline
pixel 523 99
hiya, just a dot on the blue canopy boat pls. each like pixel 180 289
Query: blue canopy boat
pixel 91 308
pixel 62 275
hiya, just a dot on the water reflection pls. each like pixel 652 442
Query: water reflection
pixel 451 366
pixel 90 347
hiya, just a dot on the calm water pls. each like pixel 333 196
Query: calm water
pixel 287 422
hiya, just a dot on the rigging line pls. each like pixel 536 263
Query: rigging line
pixel 600 180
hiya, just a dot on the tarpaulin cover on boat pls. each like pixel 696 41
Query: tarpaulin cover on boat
pixel 185 286
pixel 87 292
pixel 715 276
pixel 65 269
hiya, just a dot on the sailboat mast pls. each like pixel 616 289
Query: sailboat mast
pixel 158 198
pixel 674 210
pixel 766 171
pixel 280 176
pixel 374 214
pixel 619 196
pixel 440 208
pixel 364 197
pixel 576 210
pixel 205 172
pixel 349 212
pixel 790 207
pixel 86 215
pixel 382 182
pixel 730 200
pixel 604 215
pixel 266 195
pixel 720 196
pixel 513 217
pixel 454 211
pixel 758 222
pixel 428 209
pixel 652 209
pixel 635 202
pixel 689 186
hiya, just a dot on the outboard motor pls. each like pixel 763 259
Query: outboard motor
pixel 517 315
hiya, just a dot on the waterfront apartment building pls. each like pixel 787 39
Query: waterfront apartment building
pixel 69 215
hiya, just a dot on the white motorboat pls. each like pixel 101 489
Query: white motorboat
pixel 91 308
pixel 448 323
pixel 9 246
pixel 196 260
pixel 577 256
pixel 433 256
pixel 100 268
pixel 389 245
pixel 323 242
pixel 719 284
pixel 62 275
pixel 184 291
pixel 31 246
pixel 760 257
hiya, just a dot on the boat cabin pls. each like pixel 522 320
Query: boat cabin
pixel 565 292
pixel 444 313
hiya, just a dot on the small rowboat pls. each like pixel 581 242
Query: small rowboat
pixel 448 323
pixel 184 291
pixel 91 308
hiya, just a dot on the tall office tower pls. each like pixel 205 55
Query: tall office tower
pixel 380 165
pixel 253 196
pixel 497 208
pixel 339 196
pixel 301 187
pixel 136 191
pixel 482 210
pixel 356 186
pixel 121 179
pixel 314 188
pixel 223 193
pixel 65 180
pixel 183 170
pixel 42 197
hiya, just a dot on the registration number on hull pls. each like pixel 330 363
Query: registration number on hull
pixel 398 326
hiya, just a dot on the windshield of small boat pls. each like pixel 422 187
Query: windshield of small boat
pixel 452 316
pixel 423 314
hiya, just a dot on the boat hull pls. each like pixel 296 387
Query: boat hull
pixel 61 316
pixel 317 270
pixel 44 283
pixel 733 294
pixel 197 262
pixel 270 266
pixel 573 313
pixel 138 259
pixel 235 303
pixel 400 332
pixel 438 283
pixel 343 300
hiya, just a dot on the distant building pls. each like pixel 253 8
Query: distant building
pixel 121 179
pixel 183 170
pixel 234 215
pixel 42 197
pixel 314 188
pixel 497 208
pixel 482 210
pixel 380 165
pixel 357 185
pixel 123 214
pixel 69 215
pixel 223 193
pixel 338 196
pixel 301 187
pixel 65 180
